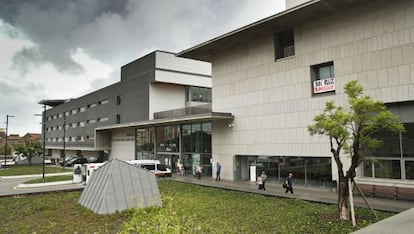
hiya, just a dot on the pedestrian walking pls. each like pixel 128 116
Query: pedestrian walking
pixel 289 183
pixel 259 181
pixel 198 171
pixel 264 178
pixel 218 172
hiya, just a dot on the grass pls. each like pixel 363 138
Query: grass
pixel 31 170
pixel 186 209
pixel 196 209
pixel 54 213
pixel 49 179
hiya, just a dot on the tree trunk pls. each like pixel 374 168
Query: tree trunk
pixel 343 202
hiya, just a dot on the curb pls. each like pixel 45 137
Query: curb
pixel 44 184
pixel 34 176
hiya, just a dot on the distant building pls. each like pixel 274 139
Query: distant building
pixel 161 109
pixel 35 137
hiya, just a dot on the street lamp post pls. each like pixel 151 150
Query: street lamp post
pixel 44 137
pixel 64 138
pixel 5 150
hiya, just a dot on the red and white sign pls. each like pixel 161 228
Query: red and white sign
pixel 325 85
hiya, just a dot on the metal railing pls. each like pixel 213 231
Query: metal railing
pixel 193 110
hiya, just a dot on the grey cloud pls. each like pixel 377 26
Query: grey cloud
pixel 114 31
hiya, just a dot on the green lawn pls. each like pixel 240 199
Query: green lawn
pixel 30 170
pixel 186 209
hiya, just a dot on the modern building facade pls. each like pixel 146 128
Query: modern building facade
pixel 276 74
pixel 159 98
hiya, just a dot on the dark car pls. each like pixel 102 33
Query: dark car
pixel 73 161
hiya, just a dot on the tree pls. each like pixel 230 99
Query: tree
pixel 3 149
pixel 352 129
pixel 29 149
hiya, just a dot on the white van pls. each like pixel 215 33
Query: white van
pixel 160 170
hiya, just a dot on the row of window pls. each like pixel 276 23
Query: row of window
pixel 70 139
pixel 80 109
pixel 77 124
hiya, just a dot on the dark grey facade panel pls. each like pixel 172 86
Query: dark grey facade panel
pixel 138 67
pixel 134 106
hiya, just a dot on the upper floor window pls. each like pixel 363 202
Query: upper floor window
pixel 197 94
pixel 103 119
pixel 82 109
pixel 104 102
pixel 284 44
pixel 118 100
pixel 118 118
pixel 92 105
pixel 323 78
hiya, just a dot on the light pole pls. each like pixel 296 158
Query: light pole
pixel 64 138
pixel 5 150
pixel 44 137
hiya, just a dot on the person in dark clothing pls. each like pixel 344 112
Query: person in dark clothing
pixel 289 183
pixel 264 178
pixel 218 172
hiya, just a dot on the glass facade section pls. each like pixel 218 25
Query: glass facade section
pixel 186 136
pixel 195 142
pixel 390 169
pixel 307 171
pixel 394 158
pixel 198 94
pixel 168 139
pixel 409 170
pixel 145 143
pixel 206 138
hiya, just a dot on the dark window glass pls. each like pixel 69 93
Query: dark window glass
pixel 367 168
pixel 167 139
pixel 186 137
pixel 145 143
pixel 206 138
pixel 118 100
pixel 149 166
pixel 284 44
pixel 196 138
pixel 198 94
pixel 409 170
pixel 118 119
pixel 408 140
pixel 388 169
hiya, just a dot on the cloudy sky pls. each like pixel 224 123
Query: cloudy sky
pixel 67 48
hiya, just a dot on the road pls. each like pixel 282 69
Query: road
pixel 8 187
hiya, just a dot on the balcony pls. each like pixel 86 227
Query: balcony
pixel 193 110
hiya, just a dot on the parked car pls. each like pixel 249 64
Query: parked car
pixel 154 166
pixel 73 161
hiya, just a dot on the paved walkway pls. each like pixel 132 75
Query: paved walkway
pixel 305 193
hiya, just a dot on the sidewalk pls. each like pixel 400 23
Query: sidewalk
pixel 304 193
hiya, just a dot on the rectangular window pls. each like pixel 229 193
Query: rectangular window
pixel 118 100
pixel 284 44
pixel 82 109
pixel 198 94
pixel 92 105
pixel 103 119
pixel 118 118
pixel 323 78
pixel 104 102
